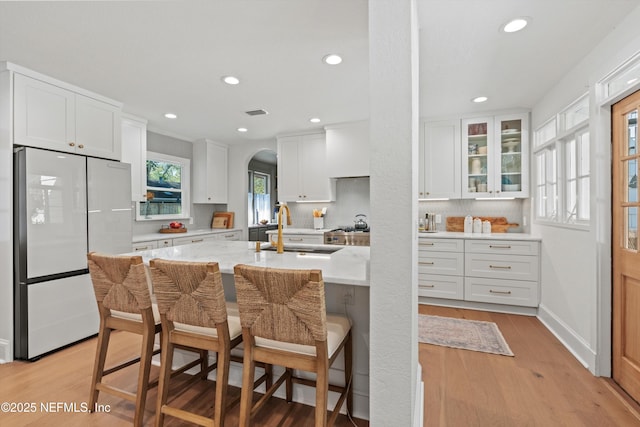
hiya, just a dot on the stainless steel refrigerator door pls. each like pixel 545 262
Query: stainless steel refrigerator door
pixel 56 213
pixel 109 206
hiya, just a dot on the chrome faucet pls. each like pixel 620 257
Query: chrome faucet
pixel 280 243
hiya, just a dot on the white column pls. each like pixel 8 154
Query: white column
pixel 393 74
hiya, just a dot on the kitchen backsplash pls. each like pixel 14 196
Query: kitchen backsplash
pixel 352 197
pixel 511 209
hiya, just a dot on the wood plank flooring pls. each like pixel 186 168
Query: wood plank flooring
pixel 65 376
pixel 543 385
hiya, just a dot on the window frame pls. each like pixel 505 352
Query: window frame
pixel 568 144
pixel 251 177
pixel 185 188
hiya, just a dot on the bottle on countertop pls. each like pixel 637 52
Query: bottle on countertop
pixel 477 225
pixel 468 224
pixel 486 227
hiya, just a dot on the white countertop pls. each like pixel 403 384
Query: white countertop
pixel 290 230
pixel 485 236
pixel 348 266
pixel 188 233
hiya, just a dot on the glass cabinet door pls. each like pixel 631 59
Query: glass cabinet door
pixel 510 155
pixel 477 145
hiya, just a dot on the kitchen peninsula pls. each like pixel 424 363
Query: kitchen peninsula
pixel 346 276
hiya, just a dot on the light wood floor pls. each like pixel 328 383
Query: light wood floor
pixel 543 385
pixel 65 376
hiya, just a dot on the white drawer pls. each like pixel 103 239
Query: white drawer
pixel 194 239
pixel 440 245
pixel 501 291
pixel 447 263
pixel 145 246
pixel 231 235
pixel 514 267
pixel 165 243
pixel 306 239
pixel 511 247
pixel 439 286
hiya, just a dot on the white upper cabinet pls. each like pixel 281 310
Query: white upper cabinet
pixel 134 152
pixel 495 156
pixel 210 176
pixel 49 116
pixel 302 172
pixel 348 149
pixel 439 161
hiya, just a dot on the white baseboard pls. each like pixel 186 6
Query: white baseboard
pixel 301 393
pixel 6 355
pixel 418 415
pixel 472 305
pixel 569 338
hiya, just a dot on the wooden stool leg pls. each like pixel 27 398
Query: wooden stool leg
pixel 204 363
pixel 246 395
pixel 289 386
pixel 348 371
pixel 146 352
pixel 222 378
pixel 322 392
pixel 166 360
pixel 98 366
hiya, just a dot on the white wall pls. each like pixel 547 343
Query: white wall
pixel 6 215
pixel 576 282
pixel 393 93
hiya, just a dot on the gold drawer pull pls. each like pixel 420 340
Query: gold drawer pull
pixel 427 286
pixel 500 267
pixel 228 236
pixel 425 244
pixel 426 263
pixel 500 246
pixel 197 240
pixel 491 291
pixel 291 239
pixel 142 249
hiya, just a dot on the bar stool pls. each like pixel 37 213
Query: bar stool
pixel 124 303
pixel 192 307
pixel 284 322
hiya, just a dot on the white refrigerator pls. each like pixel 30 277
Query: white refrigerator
pixel 65 206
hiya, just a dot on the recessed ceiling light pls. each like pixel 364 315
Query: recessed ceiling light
pixel 242 129
pixel 332 59
pixel 171 116
pixel 479 99
pixel 231 80
pixel 314 120
pixel 516 24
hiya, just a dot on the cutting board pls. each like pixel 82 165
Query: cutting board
pixel 499 224
pixel 226 216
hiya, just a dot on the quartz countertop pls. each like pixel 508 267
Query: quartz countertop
pixel 479 236
pixel 347 266
pixel 290 230
pixel 188 233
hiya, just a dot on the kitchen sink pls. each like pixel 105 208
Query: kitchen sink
pixel 305 249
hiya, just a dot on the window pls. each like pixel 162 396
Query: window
pixel 562 172
pixel 167 188
pixel 259 197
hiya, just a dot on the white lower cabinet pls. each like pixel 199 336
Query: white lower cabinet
pixel 488 271
pixel 230 235
pixel 145 246
pixel 441 268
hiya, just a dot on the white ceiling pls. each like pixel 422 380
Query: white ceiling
pixel 169 56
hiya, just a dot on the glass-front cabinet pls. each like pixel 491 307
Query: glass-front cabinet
pixel 496 156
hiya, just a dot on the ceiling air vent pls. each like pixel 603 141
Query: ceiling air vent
pixel 256 112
